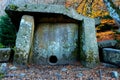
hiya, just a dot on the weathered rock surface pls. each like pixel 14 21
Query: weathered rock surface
pixel 24 39
pixel 43 8
pixel 111 56
pixel 5 54
pixel 89 49
pixel 3 68
pixel 23 2
pixel 97 21
pixel 4 3
pixel 107 65
pixel 115 74
pixel 107 43
pixel 56 41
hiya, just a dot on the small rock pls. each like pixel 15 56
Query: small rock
pixel 11 75
pixel 90 78
pixel 58 76
pixel 114 74
pixel 13 68
pixel 3 68
pixel 79 75
pixel 64 69
pixel 22 75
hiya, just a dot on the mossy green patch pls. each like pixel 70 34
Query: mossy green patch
pixel 75 53
pixel 1 76
pixel 20 57
pixel 90 57
pixel 13 7
pixel 1 45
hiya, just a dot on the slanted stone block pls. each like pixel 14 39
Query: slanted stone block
pixel 111 55
pixel 24 39
pixel 5 54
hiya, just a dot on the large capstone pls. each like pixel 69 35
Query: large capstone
pixel 24 39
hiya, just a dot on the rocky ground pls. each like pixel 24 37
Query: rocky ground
pixel 61 72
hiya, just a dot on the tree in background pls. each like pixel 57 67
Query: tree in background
pixel 114 10
pixel 90 8
pixel 95 8
pixel 7 32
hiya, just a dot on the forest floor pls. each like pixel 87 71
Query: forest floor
pixel 61 72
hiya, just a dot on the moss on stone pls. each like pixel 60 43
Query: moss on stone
pixel 90 58
pixel 75 52
pixel 80 33
pixel 25 5
pixel 82 56
pixel 1 75
pixel 97 60
pixel 19 58
pixel 13 7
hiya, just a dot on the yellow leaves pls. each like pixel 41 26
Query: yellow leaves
pixel 96 13
pixel 82 8
pixel 79 9
pixel 106 13
pixel 88 8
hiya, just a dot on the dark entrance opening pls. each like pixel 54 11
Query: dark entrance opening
pixel 53 59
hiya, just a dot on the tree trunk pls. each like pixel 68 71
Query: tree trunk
pixel 114 12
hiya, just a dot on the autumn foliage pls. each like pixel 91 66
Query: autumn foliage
pixel 90 8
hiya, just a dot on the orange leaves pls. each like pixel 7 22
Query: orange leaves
pixel 108 35
pixel 109 21
pixel 69 3
pixel 89 8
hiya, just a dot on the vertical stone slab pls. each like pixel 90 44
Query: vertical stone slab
pixel 88 44
pixel 55 43
pixel 24 40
